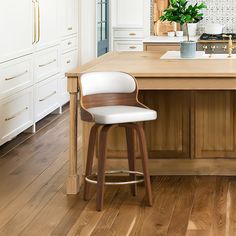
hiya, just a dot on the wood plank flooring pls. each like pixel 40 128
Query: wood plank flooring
pixel 33 202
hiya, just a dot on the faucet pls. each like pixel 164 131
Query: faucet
pixel 231 46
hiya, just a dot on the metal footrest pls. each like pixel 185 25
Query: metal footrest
pixel 90 179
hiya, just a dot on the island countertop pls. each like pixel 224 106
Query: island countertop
pixel 149 64
pixel 195 133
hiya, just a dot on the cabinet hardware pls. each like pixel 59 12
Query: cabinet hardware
pixel 68 62
pixel 132 34
pixel 48 63
pixel 35 36
pixel 39 22
pixel 132 47
pixel 16 76
pixel 69 43
pixel 17 114
pixel 70 28
pixel 50 95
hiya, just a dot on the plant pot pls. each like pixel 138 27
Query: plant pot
pixel 192 29
pixel 188 49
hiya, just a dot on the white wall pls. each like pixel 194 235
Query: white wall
pixel 87 30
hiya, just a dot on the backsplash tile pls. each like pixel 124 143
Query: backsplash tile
pixel 219 11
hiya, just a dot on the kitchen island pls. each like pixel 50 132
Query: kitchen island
pixel 195 133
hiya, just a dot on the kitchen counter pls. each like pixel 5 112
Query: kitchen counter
pixel 195 133
pixel 166 39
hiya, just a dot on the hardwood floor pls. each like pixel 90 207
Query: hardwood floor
pixel 33 200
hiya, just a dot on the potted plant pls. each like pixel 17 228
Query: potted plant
pixel 180 11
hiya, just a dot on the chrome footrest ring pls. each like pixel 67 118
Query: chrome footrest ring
pixel 91 181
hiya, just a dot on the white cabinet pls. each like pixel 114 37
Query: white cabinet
pixel 47 63
pixel 47 23
pixel 129 13
pixel 16 114
pixel 16 28
pixel 15 75
pixel 130 21
pixel 69 17
pixel 35 36
pixel 46 97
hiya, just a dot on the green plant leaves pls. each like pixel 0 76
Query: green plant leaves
pixel 182 12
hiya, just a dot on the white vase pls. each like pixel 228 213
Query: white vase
pixel 192 29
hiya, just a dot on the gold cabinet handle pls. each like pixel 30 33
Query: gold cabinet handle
pixel 132 34
pixel 35 37
pixel 70 28
pixel 132 47
pixel 39 22
pixel 17 114
pixel 68 62
pixel 16 76
pixel 48 63
pixel 50 95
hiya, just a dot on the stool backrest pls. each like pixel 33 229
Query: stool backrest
pixel 107 82
pixel 106 89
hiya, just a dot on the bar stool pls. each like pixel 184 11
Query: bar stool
pixel 110 99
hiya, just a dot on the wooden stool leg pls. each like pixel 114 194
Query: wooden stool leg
pixel 131 157
pixel 144 153
pixel 101 165
pixel 89 164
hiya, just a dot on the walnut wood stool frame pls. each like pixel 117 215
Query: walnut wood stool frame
pixel 130 129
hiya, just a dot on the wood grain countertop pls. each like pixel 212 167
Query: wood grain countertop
pixel 149 65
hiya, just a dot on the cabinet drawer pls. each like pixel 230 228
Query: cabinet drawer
pixel 69 61
pixel 16 114
pixel 46 97
pixel 69 44
pixel 15 75
pixel 128 33
pixel 47 63
pixel 128 46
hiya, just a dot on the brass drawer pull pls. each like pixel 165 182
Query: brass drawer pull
pixel 132 34
pixel 17 114
pixel 50 95
pixel 35 22
pixel 48 63
pixel 132 47
pixel 39 22
pixel 70 28
pixel 68 62
pixel 16 76
pixel 69 43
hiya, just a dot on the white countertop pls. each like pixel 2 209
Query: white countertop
pixel 166 39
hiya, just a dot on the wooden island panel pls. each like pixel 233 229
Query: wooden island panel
pixel 168 136
pixel 215 126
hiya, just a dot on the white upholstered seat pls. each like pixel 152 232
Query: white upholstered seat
pixel 121 114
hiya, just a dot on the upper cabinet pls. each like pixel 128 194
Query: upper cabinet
pixel 69 17
pixel 16 28
pixel 47 22
pixel 130 24
pixel 129 13
pixel 132 13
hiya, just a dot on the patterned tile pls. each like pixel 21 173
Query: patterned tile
pixel 219 11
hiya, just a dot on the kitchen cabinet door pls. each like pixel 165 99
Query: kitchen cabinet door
pixel 215 124
pixel 129 13
pixel 16 28
pixel 168 135
pixel 69 17
pixel 48 23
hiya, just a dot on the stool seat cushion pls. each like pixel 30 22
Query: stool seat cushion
pixel 121 114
